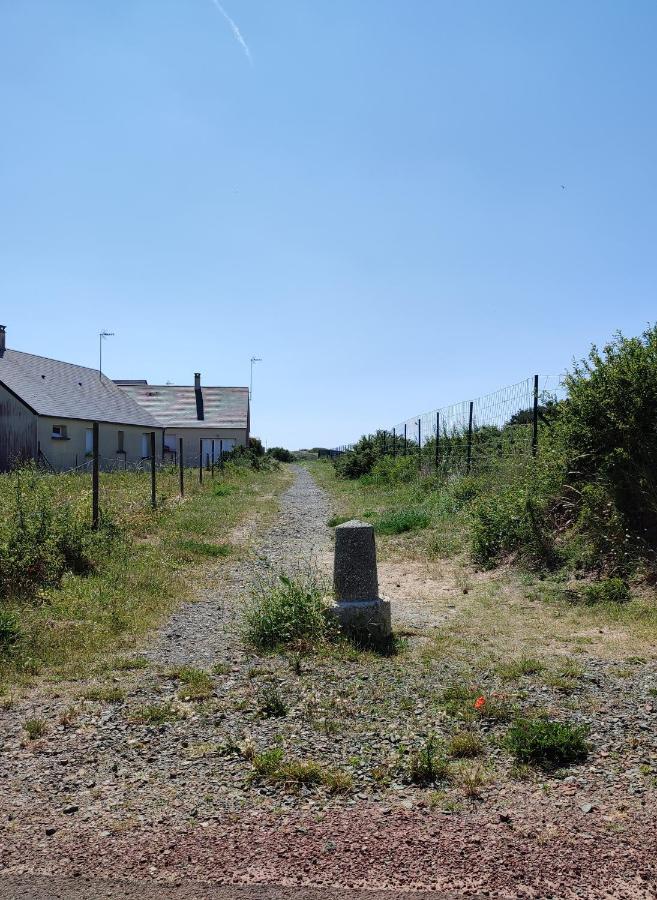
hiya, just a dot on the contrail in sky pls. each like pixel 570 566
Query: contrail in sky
pixel 236 32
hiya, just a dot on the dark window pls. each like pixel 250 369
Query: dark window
pixel 121 440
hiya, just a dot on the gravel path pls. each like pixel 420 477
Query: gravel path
pixel 202 633
pixel 110 793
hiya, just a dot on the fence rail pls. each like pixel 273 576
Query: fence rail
pixel 464 436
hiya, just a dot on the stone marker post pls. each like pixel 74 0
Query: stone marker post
pixel 358 608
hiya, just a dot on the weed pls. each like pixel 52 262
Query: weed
pixel 130 663
pixel 219 489
pixel 516 668
pixel 220 668
pixel 10 632
pixel 104 694
pixel 464 744
pixel 35 728
pixel 608 590
pixel 471 779
pixel 398 521
pixel 69 716
pixel 272 705
pixel 203 548
pixel 545 743
pixel 287 611
pixel 156 713
pixel 272 766
pixel 428 765
pixel 334 521
pixel 196 683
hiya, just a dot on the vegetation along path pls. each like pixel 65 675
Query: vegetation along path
pixel 203 760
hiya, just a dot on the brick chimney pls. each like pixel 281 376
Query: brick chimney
pixel 3 330
pixel 200 415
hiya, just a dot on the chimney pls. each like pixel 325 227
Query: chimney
pixel 200 415
pixel 3 329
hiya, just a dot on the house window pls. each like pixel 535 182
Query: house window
pixel 145 446
pixel 59 433
pixel 89 440
pixel 121 441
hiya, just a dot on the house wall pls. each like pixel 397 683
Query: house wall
pixel 18 431
pixel 66 454
pixel 192 438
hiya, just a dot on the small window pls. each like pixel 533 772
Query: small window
pixel 121 441
pixel 89 440
pixel 59 432
pixel 145 446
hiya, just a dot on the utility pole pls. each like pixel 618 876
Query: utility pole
pixel 101 335
pixel 254 359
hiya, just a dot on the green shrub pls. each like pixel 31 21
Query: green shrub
pixel 287 611
pixel 512 520
pixel 35 728
pixel 465 744
pixel 272 766
pixel 10 632
pixel 428 765
pixel 334 521
pixel 546 743
pixel 281 454
pixel 272 705
pixel 398 521
pixel 609 590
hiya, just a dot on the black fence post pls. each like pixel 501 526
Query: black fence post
pixel 95 514
pixel 419 444
pixel 221 454
pixel 394 443
pixel 153 485
pixel 405 441
pixel 200 461
pixel 535 418
pixel 181 467
pixel 437 439
pixel 469 460
pixel 212 464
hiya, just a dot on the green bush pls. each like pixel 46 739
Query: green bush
pixel 609 428
pixel 428 765
pixel 397 521
pixel 513 519
pixel 272 704
pixel 546 743
pixel 287 611
pixel 281 454
pixel 10 632
pixel 608 590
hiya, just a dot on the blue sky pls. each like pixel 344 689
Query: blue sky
pixel 372 203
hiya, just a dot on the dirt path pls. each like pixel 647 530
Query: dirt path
pixel 113 791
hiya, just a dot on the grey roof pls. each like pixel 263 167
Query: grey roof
pixel 67 391
pixel 175 405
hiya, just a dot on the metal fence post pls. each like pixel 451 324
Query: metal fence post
pixel 394 443
pixel 212 465
pixel 419 444
pixel 469 459
pixel 405 441
pixel 221 454
pixel 95 513
pixel 200 461
pixel 535 418
pixel 181 467
pixel 153 485
pixel 437 439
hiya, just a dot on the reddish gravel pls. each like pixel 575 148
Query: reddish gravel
pixel 473 855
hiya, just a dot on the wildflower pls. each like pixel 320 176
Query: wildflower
pixel 480 702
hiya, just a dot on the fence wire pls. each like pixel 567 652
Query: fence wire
pixel 469 433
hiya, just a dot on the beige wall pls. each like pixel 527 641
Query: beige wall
pixel 65 454
pixel 192 438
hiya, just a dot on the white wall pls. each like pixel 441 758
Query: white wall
pixel 192 438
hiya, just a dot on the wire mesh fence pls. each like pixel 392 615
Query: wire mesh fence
pixel 470 435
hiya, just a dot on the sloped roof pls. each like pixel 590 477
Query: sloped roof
pixel 66 391
pixel 175 405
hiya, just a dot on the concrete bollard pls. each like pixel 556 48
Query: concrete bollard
pixel 360 611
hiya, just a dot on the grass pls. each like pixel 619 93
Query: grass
pixel 138 576
pixel 156 713
pixel 104 694
pixel 286 612
pixel 196 684
pixel 517 668
pixel 464 744
pixel 428 765
pixel 398 521
pixel 273 767
pixel 35 728
pixel 547 744
pixel 272 704
pixel 130 663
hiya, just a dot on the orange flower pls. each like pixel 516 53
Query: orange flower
pixel 480 702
